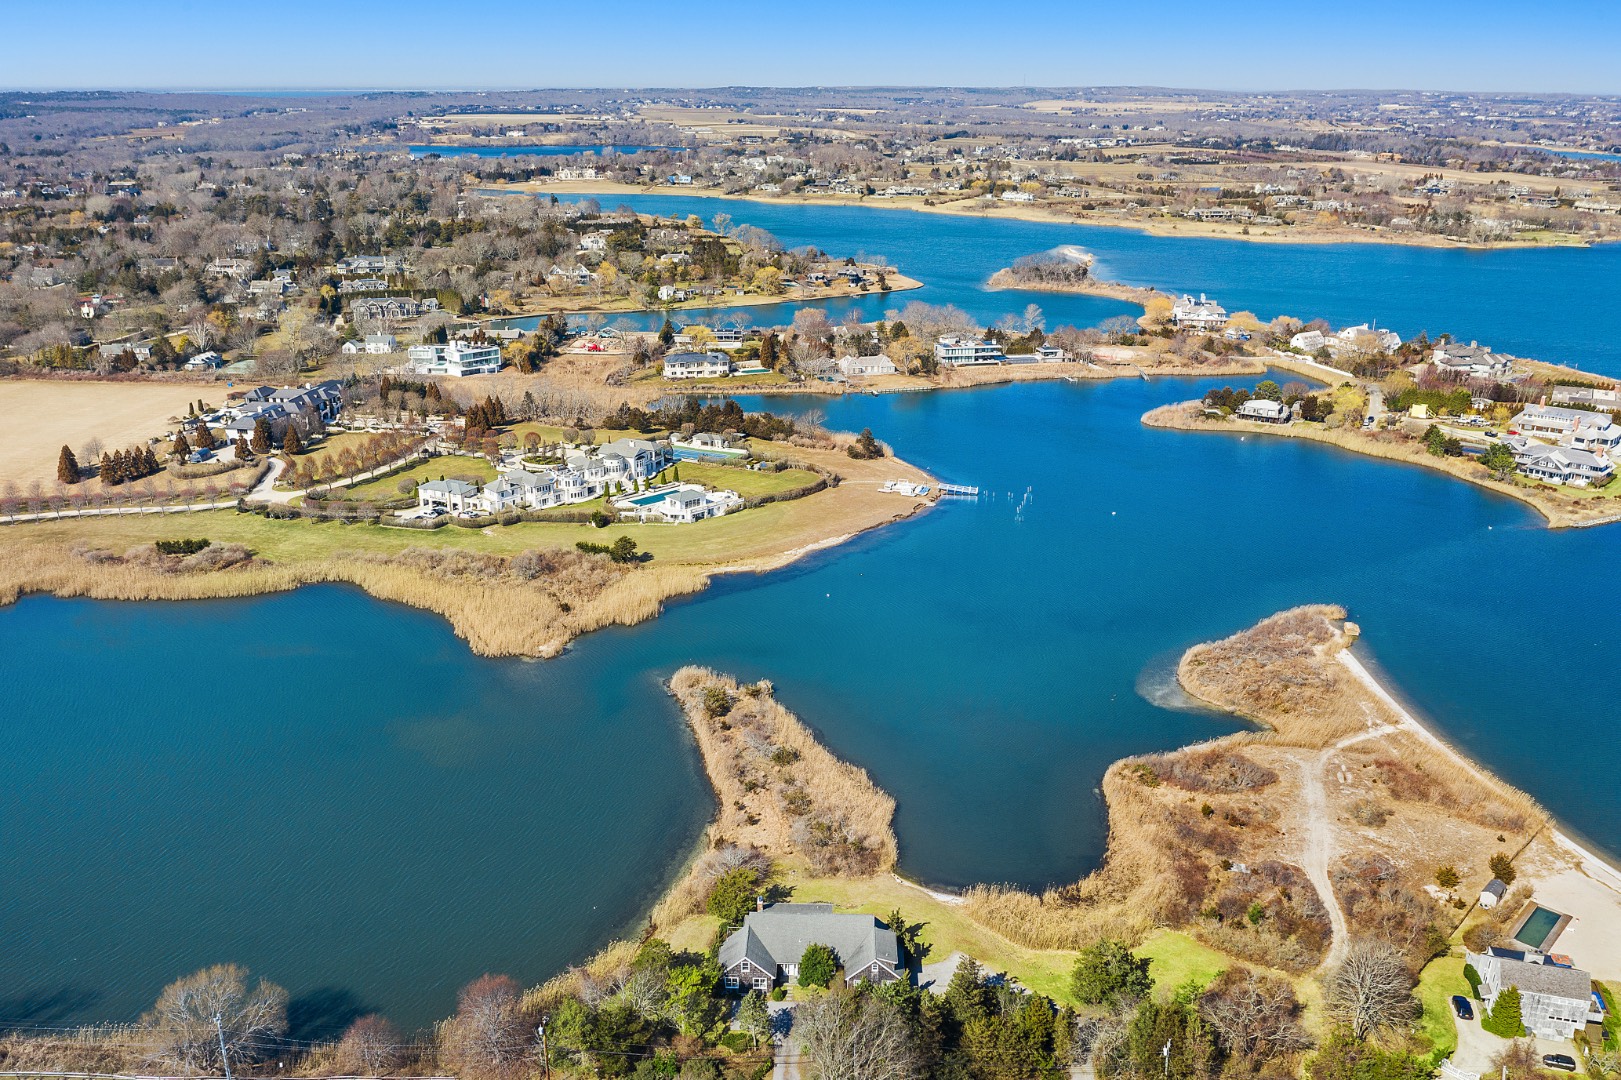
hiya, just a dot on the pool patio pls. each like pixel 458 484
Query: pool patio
pixel 1538 927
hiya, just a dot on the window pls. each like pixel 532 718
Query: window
pixel 762 983
pixel 731 982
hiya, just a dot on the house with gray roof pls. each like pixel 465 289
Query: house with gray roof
pixel 1263 409
pixel 767 948
pixel 446 495
pixel 1556 1000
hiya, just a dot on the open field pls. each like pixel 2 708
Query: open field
pixel 38 417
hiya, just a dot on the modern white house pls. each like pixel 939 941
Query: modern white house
pixel 693 365
pixel 1556 1000
pixel 205 361
pixel 958 350
pixel 1201 314
pixel 457 358
pixel 768 947
pixel 677 504
pixel 1264 410
pixel 372 345
pixel 446 496
pixel 865 365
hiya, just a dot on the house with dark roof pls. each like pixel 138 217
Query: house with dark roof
pixel 1556 1000
pixel 767 948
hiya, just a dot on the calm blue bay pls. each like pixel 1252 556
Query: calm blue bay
pixel 352 804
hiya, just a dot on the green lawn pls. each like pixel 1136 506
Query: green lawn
pixel 746 482
pixel 1178 960
pixel 1439 980
pixel 387 487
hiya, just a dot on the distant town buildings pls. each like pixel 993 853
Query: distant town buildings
pixel 457 358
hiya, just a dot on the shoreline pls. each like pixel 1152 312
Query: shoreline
pixel 1589 862
pixel 1180 416
pixel 1034 213
pixel 899 283
pixel 498 617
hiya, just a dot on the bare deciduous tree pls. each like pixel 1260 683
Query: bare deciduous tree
pixel 370 1047
pixel 486 1036
pixel 850 1036
pixel 197 1017
pixel 1370 989
pixel 1256 1015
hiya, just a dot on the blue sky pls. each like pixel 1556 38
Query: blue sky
pixel 1261 44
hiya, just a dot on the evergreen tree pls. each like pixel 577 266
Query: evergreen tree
pixel 290 443
pixel 243 450
pixel 108 476
pixel 818 965
pixel 181 448
pixel 667 333
pixel 148 463
pixel 67 466
pixel 1505 1018
pixel 261 436
pixel 1108 973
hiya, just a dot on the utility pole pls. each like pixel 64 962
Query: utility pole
pixel 545 1058
pixel 219 1029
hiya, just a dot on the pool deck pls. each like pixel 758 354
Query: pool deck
pixel 1561 920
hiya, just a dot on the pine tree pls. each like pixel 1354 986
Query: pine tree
pixel 666 333
pixel 291 444
pixel 149 462
pixel 67 467
pixel 107 474
pixel 181 448
pixel 243 450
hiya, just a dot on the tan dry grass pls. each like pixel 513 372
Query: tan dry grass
pixel 803 805
pixel 37 417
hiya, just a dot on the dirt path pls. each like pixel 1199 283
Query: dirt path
pixel 1320 846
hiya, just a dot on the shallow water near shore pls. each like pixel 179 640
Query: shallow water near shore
pixel 335 792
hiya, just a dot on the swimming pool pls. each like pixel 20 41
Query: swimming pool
pixel 1538 928
pixel 646 499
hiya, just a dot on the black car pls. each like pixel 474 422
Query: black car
pixel 1563 1062
pixel 1461 1006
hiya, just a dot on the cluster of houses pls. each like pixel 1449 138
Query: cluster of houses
pixel 1313 341
pixel 1572 447
pixel 624 466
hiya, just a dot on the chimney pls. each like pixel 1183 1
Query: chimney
pixel 759 903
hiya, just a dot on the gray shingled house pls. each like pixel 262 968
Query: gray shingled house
pixel 1555 1001
pixel 766 950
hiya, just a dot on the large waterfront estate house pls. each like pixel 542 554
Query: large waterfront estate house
pixel 1388 340
pixel 1472 361
pixel 1563 465
pixel 458 358
pixel 1201 314
pixel 1591 396
pixel 1578 428
pixel 956 350
pixel 693 365
pixel 767 948
pixel 1556 1000
pixel 622 465
pixel 677 504
pixel 866 365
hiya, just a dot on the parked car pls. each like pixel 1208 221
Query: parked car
pixel 1461 1006
pixel 1562 1062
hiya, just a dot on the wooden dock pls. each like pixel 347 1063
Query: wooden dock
pixel 961 490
